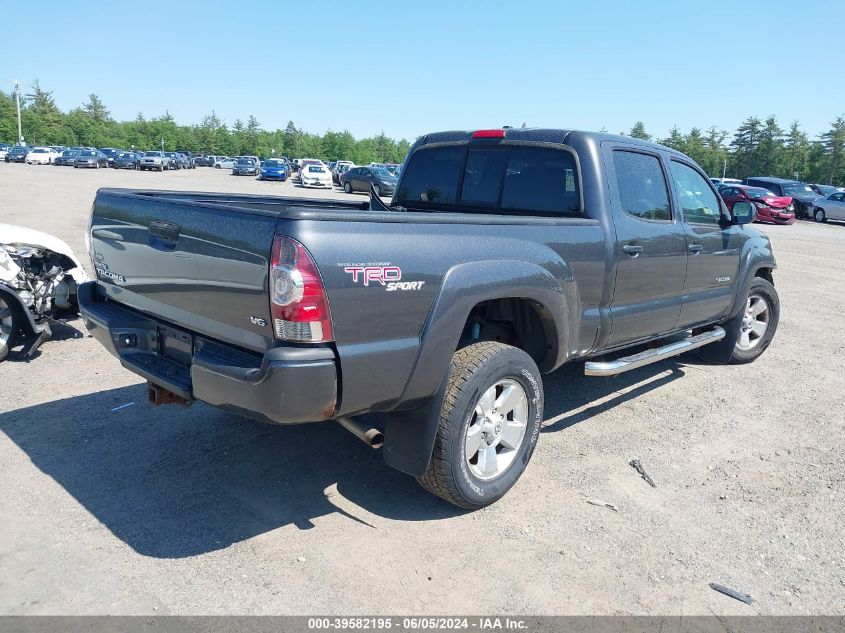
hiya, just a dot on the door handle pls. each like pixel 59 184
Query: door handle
pixel 696 248
pixel 632 249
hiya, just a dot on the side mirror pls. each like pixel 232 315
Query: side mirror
pixel 744 212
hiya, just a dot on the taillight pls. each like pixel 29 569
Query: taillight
pixel 298 301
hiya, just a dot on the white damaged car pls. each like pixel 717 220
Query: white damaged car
pixel 39 276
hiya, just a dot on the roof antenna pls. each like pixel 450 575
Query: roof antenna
pixel 523 125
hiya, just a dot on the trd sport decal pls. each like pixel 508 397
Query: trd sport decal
pixel 388 276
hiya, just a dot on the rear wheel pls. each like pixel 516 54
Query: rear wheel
pixel 488 425
pixel 7 328
pixel 819 216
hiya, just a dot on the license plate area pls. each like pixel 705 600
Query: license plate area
pixel 175 345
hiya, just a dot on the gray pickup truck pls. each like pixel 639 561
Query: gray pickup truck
pixel 503 255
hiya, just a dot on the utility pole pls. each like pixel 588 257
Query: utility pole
pixel 725 168
pixel 18 101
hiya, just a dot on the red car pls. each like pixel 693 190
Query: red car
pixel 770 208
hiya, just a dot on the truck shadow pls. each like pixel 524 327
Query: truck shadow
pixel 572 397
pixel 172 482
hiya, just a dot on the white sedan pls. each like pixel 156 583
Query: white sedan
pixel 41 156
pixel 316 176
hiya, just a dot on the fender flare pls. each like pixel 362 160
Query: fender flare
pixel 409 434
pixel 757 257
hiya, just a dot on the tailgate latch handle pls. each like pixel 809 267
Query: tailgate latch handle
pixel 167 232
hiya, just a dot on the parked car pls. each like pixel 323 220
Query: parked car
pixel 826 190
pixel 204 161
pixel 154 160
pixel 313 175
pixel 274 169
pixel 340 167
pixel 536 258
pixel 110 153
pixel 189 159
pixel 224 162
pixel 245 167
pixel 127 160
pixel 359 179
pixel 831 207
pixel 41 156
pixel 770 208
pixel 91 158
pixel 17 154
pixel 802 194
pixel 67 158
pixel 4 148
pixel 177 161
pixel 725 181
pixel 39 279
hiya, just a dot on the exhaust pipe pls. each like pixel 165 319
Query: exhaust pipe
pixel 372 437
pixel 159 396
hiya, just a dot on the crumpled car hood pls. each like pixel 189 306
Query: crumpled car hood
pixel 14 234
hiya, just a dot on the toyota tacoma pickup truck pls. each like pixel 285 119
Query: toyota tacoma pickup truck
pixel 502 255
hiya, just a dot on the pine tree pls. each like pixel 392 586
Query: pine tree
pixel 833 142
pixel 95 109
pixel 796 152
pixel 770 148
pixel 745 143
pixel 638 131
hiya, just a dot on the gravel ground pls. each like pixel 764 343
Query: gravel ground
pixel 167 510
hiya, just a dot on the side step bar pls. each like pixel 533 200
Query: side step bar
pixel 627 363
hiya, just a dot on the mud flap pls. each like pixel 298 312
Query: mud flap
pixel 409 435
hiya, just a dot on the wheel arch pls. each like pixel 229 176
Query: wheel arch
pixel 411 428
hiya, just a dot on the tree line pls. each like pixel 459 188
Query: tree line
pixel 91 124
pixel 758 147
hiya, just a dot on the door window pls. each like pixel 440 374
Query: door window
pixel 698 202
pixel 641 186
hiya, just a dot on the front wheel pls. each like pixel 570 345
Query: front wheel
pixel 819 216
pixel 749 333
pixel 347 187
pixel 7 329
pixel 377 189
pixel 488 426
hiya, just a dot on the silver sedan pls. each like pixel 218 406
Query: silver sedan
pixel 830 208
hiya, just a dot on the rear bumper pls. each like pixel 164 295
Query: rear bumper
pixel 287 385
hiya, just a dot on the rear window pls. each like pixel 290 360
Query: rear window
pixel 509 178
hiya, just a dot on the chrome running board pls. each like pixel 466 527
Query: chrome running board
pixel 627 363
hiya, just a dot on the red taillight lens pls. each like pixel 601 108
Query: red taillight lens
pixel 298 300
pixel 488 134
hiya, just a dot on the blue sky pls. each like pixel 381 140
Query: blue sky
pixel 409 67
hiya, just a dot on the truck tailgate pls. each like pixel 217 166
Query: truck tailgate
pixel 200 266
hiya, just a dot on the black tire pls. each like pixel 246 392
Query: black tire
pixel 819 215
pixel 7 323
pixel 475 369
pixel 377 189
pixel 347 187
pixel 728 350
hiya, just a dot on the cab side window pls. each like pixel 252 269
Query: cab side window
pixel 698 202
pixel 641 186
